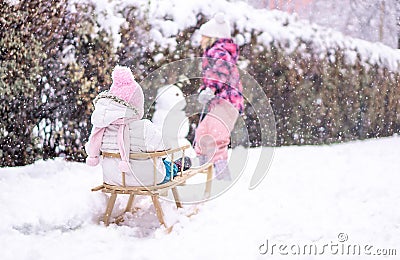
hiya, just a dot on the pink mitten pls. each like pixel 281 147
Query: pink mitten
pixel 92 161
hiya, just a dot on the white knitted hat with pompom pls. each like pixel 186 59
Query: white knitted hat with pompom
pixel 218 27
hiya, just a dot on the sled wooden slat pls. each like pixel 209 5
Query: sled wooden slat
pixel 176 197
pixel 154 191
pixel 130 203
pixel 147 155
pixel 158 208
pixel 110 206
pixel 98 188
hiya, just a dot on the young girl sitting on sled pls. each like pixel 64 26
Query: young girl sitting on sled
pixel 221 91
pixel 118 127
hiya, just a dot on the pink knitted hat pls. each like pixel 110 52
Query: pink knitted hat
pixel 126 88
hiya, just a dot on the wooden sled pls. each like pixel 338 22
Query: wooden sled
pixel 154 191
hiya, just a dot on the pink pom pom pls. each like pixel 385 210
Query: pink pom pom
pixel 92 161
pixel 122 76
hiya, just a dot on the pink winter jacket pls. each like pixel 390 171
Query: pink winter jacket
pixel 140 135
pixel 221 74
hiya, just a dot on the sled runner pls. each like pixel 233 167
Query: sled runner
pixel 155 190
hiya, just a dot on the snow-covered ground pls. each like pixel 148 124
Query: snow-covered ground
pixel 310 196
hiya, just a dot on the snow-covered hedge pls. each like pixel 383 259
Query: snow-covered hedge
pixel 323 86
pixel 53 62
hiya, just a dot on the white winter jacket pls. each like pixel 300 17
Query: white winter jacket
pixel 143 136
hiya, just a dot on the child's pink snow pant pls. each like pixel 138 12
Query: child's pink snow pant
pixel 212 135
